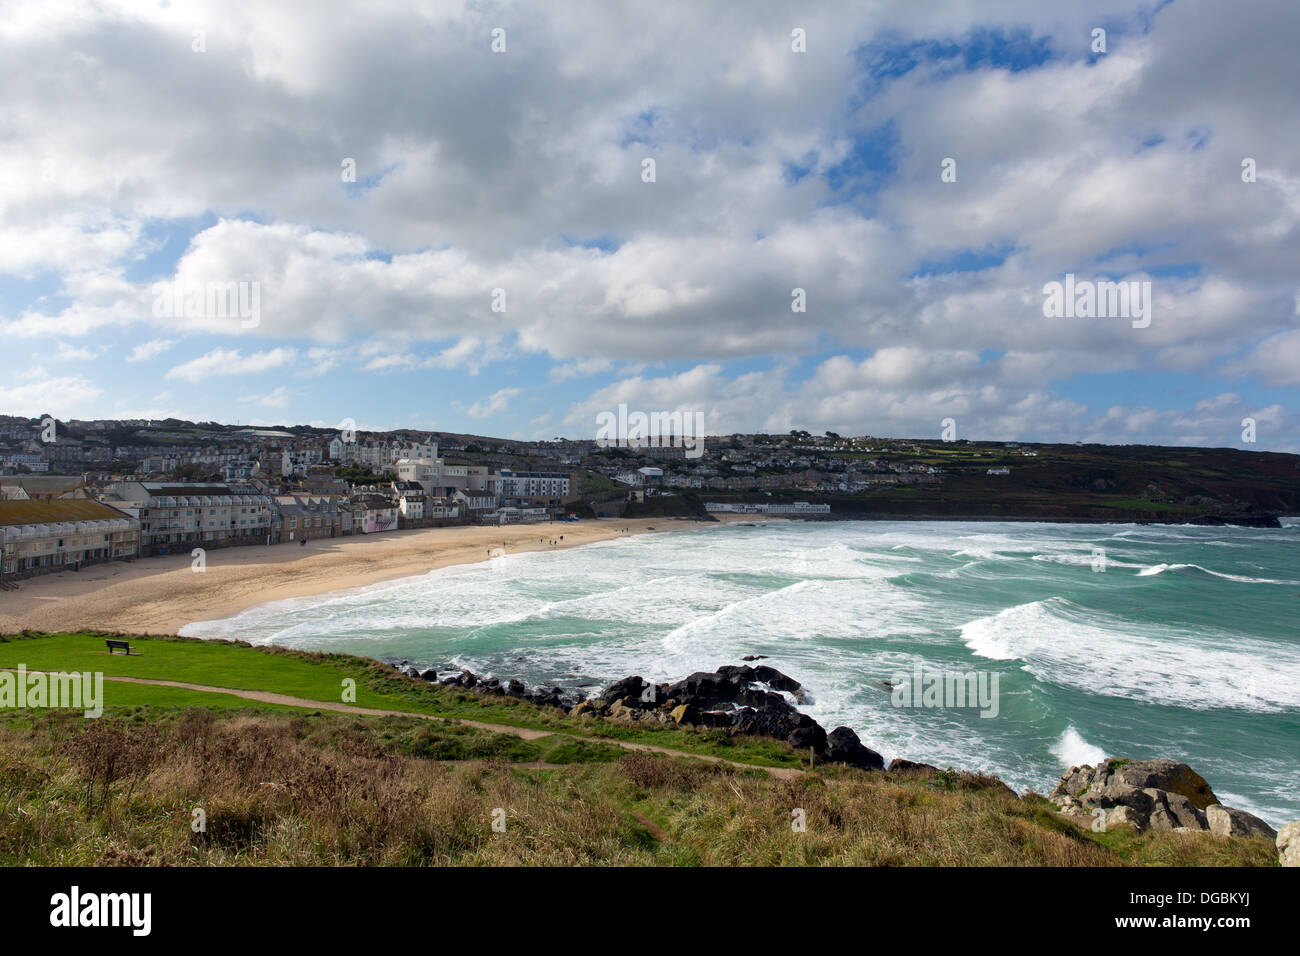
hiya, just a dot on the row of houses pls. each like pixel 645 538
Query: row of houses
pixel 49 523
pixel 51 534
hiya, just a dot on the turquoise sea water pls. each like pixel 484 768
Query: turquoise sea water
pixel 1186 645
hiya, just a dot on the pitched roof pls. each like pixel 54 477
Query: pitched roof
pixel 56 509
pixel 43 483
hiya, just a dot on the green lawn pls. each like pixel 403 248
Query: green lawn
pixel 319 677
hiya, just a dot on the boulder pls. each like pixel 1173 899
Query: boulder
pixel 766 723
pixel 619 710
pixel 1288 844
pixel 843 746
pixel 1225 821
pixel 811 736
pixel 652 695
pixel 1073 783
pixel 703 689
pixel 761 699
pixel 430 675
pixel 1173 811
pixel 736 673
pixel 1168 775
pixel 775 679
pixel 1121 817
pixel 628 687
pixel 715 719
pixel 685 714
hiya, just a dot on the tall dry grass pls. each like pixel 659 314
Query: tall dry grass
pixel 334 790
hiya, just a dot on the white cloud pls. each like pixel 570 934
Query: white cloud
pixel 230 362
pixel 150 349
pixel 279 398
pixel 61 396
pixel 495 404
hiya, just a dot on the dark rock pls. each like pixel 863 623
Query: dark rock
pixel 769 723
pixel 754 657
pixel 810 737
pixel 627 687
pixel 843 746
pixel 430 675
pixel 702 689
pixel 653 695
pixel 715 718
pixel 762 700
pixel 685 714
pixel 775 679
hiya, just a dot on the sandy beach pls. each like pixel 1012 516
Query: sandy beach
pixel 162 595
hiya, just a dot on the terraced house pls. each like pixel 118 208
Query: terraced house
pixel 177 516
pixel 38 536
pixel 309 516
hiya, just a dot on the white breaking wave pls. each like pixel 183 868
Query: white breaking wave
pixel 1073 751
pixel 1162 568
pixel 1063 644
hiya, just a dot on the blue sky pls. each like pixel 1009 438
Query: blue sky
pixel 520 174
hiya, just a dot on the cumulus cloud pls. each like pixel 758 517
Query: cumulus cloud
pixel 494 404
pixel 504 217
pixel 221 361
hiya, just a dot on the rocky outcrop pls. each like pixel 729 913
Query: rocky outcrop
pixel 1105 783
pixel 1225 821
pixel 738 698
pixel 1288 844
pixel 1150 795
pixel 545 696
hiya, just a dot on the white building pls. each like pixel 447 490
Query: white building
pixel 52 534
pixel 535 484
pixel 173 514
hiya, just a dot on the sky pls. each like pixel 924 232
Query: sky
pixel 444 215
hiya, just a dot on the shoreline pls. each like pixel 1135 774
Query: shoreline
pixel 161 595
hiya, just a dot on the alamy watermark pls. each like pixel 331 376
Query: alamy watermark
pixel 636 430
pixel 209 300
pixel 39 690
pixel 74 909
pixel 935 689
pixel 1087 299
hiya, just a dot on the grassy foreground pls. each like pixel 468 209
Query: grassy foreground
pixel 277 784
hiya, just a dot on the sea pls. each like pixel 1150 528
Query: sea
pixel 1101 640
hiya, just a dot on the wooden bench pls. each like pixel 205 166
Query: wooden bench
pixel 122 646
